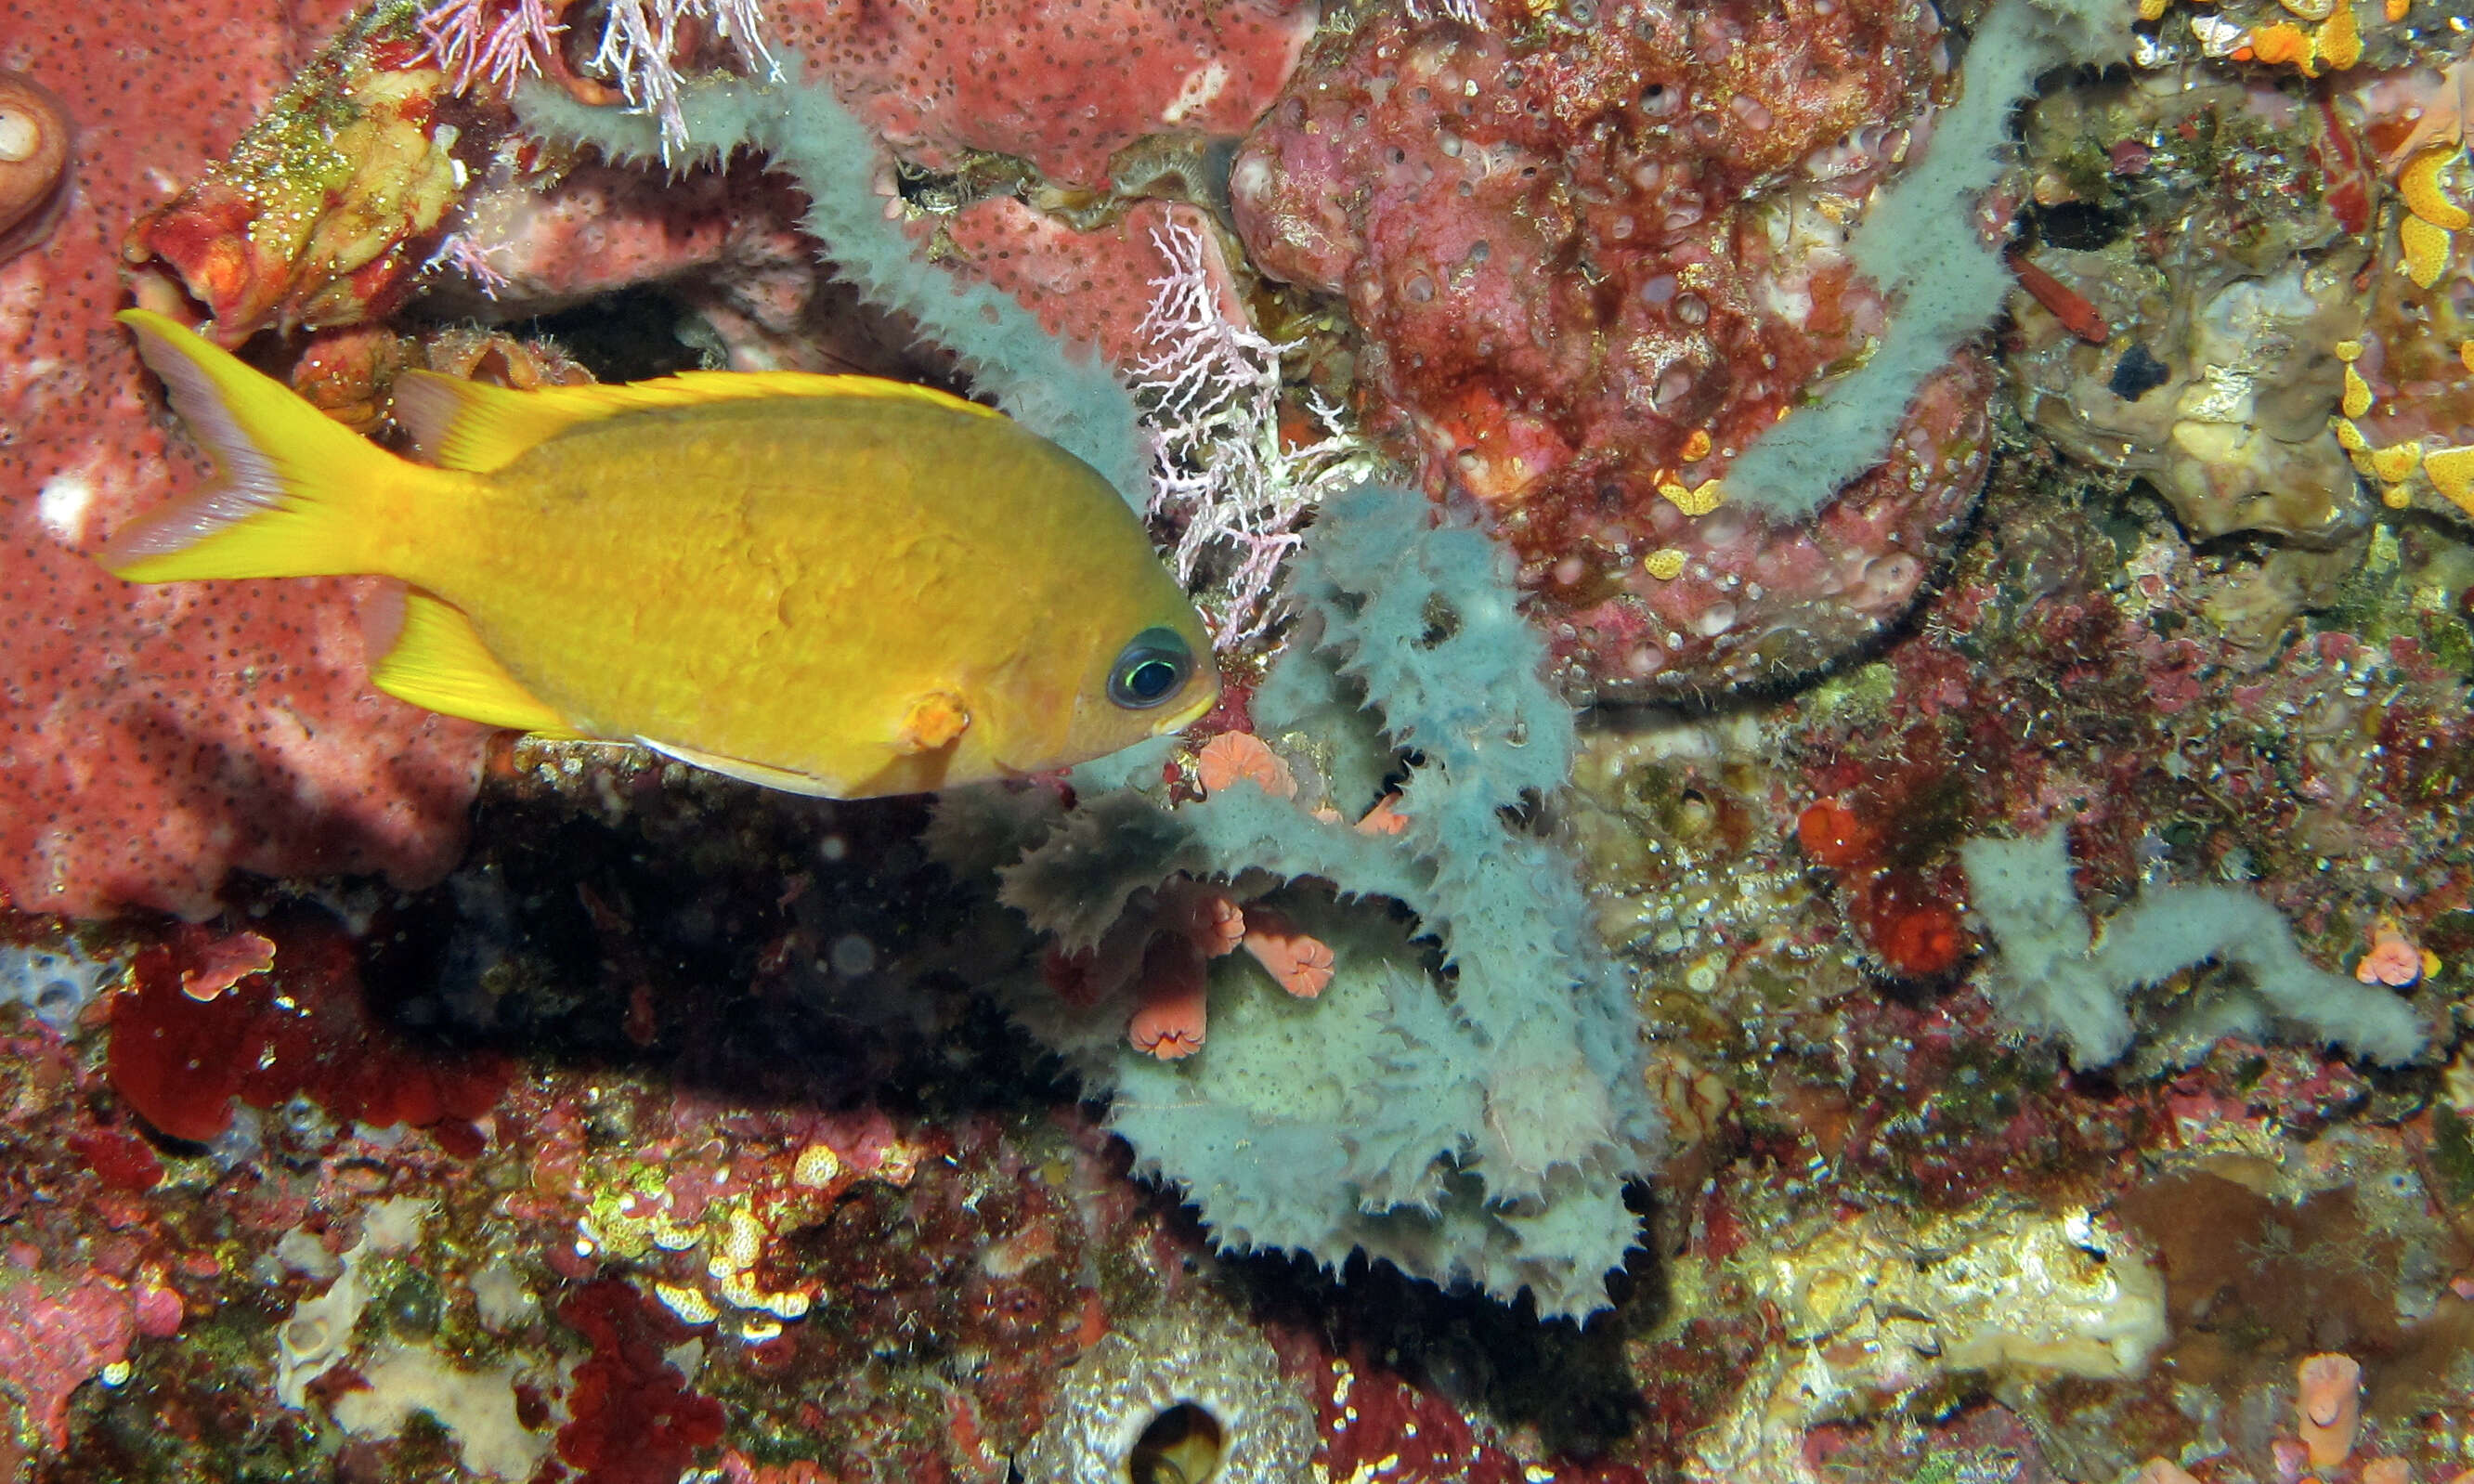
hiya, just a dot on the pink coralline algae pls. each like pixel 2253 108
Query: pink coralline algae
pixel 1060 84
pixel 1091 287
pixel 152 740
pixel 1076 97
pixel 1590 265
pixel 723 246
pixel 355 189
pixel 55 1336
pixel 545 238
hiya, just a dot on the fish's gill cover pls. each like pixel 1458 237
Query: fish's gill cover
pixel 154 739
pixel 1473 1121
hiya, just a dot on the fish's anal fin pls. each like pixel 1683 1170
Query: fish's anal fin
pixel 438 660
pixel 763 774
pixel 936 722
pixel 473 425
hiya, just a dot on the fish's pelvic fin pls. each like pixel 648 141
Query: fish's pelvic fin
pixel 437 660
pixel 483 429
pixel 763 774
pixel 297 489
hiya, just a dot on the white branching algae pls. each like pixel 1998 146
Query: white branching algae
pixel 1180 1398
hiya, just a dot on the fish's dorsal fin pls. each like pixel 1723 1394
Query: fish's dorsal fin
pixel 762 774
pixel 474 426
pixel 436 658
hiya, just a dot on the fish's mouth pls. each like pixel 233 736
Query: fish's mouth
pixel 1191 712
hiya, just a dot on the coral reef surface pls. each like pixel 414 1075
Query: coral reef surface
pixel 1591 263
pixel 1412 1073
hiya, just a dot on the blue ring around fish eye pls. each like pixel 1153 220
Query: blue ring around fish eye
pixel 1151 669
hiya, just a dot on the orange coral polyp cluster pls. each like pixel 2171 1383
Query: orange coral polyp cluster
pixel 1171 993
pixel 1232 756
pixel 1189 924
pixel 2395 960
pixel 2328 1406
pixel 1163 954
pixel 1914 931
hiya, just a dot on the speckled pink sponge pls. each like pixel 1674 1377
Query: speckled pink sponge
pixel 154 739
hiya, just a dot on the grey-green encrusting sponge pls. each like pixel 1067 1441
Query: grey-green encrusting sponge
pixel 1466 1104
pixel 1920 243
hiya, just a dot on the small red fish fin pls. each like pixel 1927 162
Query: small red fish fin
pixel 438 660
pixel 762 774
pixel 297 489
pixel 468 425
pixel 2067 305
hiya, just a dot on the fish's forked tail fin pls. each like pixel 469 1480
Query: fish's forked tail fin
pixel 299 492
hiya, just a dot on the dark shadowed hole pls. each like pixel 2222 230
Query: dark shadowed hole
pixel 2079 226
pixel 1181 1445
pixel 631 335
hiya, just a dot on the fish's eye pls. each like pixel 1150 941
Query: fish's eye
pixel 1151 669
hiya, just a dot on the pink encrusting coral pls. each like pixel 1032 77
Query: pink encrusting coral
pixel 152 740
pixel 1060 84
pixel 1091 287
pixel 56 1334
pixel 158 740
pixel 1062 87
pixel 1590 266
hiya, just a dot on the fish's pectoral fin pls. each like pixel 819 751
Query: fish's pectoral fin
pixel 763 774
pixel 437 660
pixel 936 722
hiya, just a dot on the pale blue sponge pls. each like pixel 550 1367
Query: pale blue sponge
pixel 1466 1100
pixel 2055 977
pixel 1920 241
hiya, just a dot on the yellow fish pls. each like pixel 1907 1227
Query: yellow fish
pixel 833 585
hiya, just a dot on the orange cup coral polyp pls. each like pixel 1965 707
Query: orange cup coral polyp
pixel 33 159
